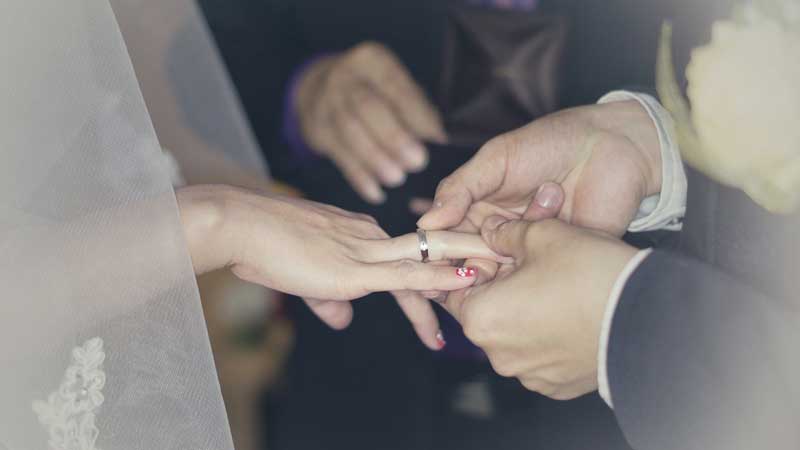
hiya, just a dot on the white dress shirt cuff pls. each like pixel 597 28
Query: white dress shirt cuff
pixel 608 319
pixel 663 211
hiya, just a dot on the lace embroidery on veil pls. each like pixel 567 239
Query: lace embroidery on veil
pixel 69 412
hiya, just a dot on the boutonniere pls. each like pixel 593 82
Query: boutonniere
pixel 741 122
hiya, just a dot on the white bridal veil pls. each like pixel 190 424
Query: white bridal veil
pixel 194 108
pixel 102 339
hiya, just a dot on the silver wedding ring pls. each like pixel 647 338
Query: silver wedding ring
pixel 423 244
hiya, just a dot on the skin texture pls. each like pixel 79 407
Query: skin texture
pixel 590 166
pixel 363 109
pixel 539 320
pixel 556 195
pixel 321 253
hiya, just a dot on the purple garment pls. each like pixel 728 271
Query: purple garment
pixel 519 5
pixel 292 131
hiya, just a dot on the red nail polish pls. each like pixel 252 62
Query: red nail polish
pixel 440 339
pixel 466 272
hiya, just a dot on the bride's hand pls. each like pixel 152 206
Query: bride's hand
pixel 319 251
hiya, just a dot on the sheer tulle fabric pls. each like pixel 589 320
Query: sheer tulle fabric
pixel 194 106
pixel 102 338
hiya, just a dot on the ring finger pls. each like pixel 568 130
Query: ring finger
pixel 442 245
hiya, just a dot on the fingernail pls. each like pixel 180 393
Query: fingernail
pixel 467 272
pixel 548 196
pixel 440 339
pixel 394 177
pixel 376 195
pixel 417 156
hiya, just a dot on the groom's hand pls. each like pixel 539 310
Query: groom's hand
pixel 539 320
pixel 591 166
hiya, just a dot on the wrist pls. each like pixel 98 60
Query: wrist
pixel 205 212
pixel 630 120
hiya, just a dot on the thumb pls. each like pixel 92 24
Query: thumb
pixel 505 237
pixel 547 203
pixel 451 203
pixel 479 177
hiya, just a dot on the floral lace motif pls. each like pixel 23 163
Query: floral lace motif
pixel 69 413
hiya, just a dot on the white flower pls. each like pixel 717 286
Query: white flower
pixel 744 89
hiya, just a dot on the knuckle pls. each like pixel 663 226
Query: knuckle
pixel 406 268
pixel 539 386
pixel 357 248
pixel 395 79
pixel 362 99
pixel 531 385
pixel 542 232
pixel 370 219
pixel 334 117
pixel 345 121
pixel 503 369
pixel 341 75
pixel 326 120
pixel 398 137
pixel 476 327
pixel 340 288
pixel 502 143
pixel 446 184
pixel 372 232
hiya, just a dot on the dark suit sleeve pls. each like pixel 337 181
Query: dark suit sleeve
pixel 699 360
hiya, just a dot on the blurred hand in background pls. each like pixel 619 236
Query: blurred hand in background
pixel 363 109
